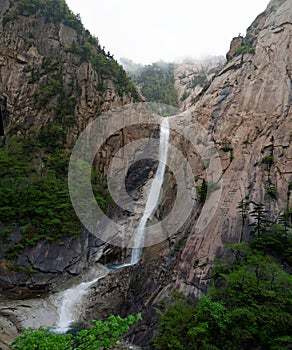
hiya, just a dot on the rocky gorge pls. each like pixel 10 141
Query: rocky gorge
pixel 245 110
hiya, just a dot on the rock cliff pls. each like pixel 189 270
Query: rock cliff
pixel 47 57
pixel 54 79
pixel 191 76
pixel 247 111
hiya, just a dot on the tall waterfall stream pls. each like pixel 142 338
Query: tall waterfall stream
pixel 69 301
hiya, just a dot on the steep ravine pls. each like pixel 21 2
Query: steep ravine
pixel 246 111
pixel 54 79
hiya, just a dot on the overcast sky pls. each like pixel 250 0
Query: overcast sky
pixel 149 30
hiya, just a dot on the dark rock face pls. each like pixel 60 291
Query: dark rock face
pixel 4 115
pixel 50 263
pixel 138 174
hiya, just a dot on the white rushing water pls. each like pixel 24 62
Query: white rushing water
pixel 69 302
pixel 154 193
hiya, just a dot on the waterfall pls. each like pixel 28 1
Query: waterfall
pixel 69 301
pixel 154 193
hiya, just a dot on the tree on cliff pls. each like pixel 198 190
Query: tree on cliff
pixel 249 302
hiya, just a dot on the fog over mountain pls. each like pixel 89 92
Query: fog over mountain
pixel 166 30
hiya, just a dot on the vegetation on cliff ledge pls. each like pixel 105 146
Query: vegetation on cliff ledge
pixel 156 81
pixel 34 155
pixel 249 301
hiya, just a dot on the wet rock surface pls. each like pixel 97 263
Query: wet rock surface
pixel 247 106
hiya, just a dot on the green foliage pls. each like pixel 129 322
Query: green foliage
pixel 188 326
pixel 100 191
pixel 269 160
pixel 272 191
pixel 269 237
pixel 74 48
pixel 260 224
pixel 105 65
pixel 174 326
pixel 29 7
pixel 206 189
pixel 21 268
pixel 245 47
pixel 157 81
pixel 101 335
pixel 105 334
pixel 199 80
pixel 185 95
pixel 42 339
pixel 11 16
pixel 54 11
pixel 276 241
pixel 33 167
pixel 37 198
pixel 249 303
pixel 85 45
pixel 202 191
pixel 249 308
pixel 52 136
pixel 178 246
pixel 49 64
pixel 258 295
pixel 45 93
pixel 227 147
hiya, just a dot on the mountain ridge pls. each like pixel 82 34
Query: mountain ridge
pixel 246 110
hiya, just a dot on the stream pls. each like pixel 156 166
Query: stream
pixel 69 303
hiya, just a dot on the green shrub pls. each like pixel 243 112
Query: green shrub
pixel 102 335
pixel 202 191
pixel 248 308
pixel 9 17
pixel 269 160
pixel 245 47
pixel 249 298
pixel 38 200
pixel 271 191
pixel 185 95
pixel 227 147
pixel 157 83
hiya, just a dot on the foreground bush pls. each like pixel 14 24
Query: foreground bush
pixel 103 334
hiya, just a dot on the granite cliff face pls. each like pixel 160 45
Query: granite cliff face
pixel 47 58
pixel 191 76
pixel 54 79
pixel 248 106
pixel 246 109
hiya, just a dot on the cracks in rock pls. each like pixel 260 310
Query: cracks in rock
pixel 286 112
pixel 37 268
pixel 193 284
pixel 234 66
pixel 280 26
